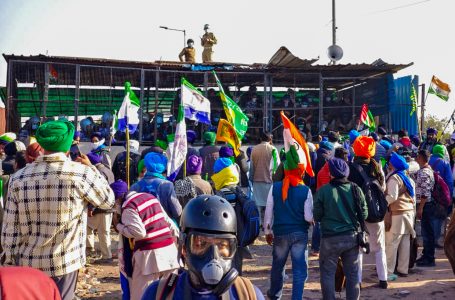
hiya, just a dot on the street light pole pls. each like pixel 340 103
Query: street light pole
pixel 175 29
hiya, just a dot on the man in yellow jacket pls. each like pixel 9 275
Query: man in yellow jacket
pixel 207 41
pixel 189 52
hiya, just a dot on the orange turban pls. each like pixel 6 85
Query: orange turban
pixel 364 146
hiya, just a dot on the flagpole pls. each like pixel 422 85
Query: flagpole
pixel 448 122
pixel 127 133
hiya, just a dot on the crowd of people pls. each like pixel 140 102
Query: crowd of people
pixel 187 239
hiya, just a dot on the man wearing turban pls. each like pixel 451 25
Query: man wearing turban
pixel 57 190
pixel 364 165
pixel 338 207
pixel 192 185
pixel 400 196
pixel 209 154
pixel 155 183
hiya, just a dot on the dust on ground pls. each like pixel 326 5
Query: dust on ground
pixel 101 281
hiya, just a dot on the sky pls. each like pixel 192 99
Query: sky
pixel 248 31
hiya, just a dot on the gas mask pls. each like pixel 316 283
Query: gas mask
pixel 96 145
pixel 209 259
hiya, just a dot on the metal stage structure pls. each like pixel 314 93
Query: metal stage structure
pixel 318 97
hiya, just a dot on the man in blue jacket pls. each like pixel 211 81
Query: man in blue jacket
pixel 209 228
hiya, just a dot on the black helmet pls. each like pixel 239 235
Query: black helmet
pixel 208 213
pixel 209 228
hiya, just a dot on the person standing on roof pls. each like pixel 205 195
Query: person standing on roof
pixel 189 52
pixel 207 41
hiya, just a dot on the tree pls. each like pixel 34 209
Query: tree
pixel 439 124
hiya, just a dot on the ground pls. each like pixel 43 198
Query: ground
pixel 100 281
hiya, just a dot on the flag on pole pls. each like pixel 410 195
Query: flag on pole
pixel 128 114
pixel 366 117
pixel 297 156
pixel 234 113
pixel 292 136
pixel 413 99
pixel 197 107
pixel 439 88
pixel 226 133
pixel 178 148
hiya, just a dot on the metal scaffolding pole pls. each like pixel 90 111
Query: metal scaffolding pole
pixel 157 83
pixel 321 99
pixel 77 95
pixel 141 110
pixel 46 91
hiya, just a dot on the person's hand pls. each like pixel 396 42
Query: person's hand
pixel 83 159
pixel 269 239
pixel 419 213
pixel 90 213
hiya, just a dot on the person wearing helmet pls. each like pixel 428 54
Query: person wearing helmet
pixel 209 242
pixel 188 52
pixel 207 41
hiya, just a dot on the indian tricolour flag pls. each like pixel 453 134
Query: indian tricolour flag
pixel 197 107
pixel 178 148
pixel 439 88
pixel 293 137
pixel 128 114
pixel 366 117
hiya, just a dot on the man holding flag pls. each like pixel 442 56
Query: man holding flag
pixel 291 215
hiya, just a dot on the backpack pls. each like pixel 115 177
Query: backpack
pixel 246 212
pixel 440 194
pixel 185 190
pixel 119 168
pixel 374 197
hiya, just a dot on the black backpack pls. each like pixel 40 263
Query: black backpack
pixel 374 196
pixel 247 214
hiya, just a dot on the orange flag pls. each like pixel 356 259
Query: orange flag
pixel 292 136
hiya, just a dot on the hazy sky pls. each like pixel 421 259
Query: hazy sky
pixel 248 31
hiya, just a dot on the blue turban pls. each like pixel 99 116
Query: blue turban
pixel 338 168
pixel 326 145
pixel 226 151
pixel 385 144
pixel 191 136
pixel 119 188
pixel 155 163
pixel 353 134
pixel 432 131
pixel 400 165
pixel 374 136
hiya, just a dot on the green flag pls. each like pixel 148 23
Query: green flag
pixel 234 114
pixel 413 99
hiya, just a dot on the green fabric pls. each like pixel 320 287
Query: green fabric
pixel 329 210
pixel 140 166
pixel 55 136
pixel 162 144
pixel 438 150
pixel 292 159
pixel 209 137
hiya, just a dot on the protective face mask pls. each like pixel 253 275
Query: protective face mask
pixel 212 272
pixel 97 144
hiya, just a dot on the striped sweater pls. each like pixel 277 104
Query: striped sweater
pixel 158 233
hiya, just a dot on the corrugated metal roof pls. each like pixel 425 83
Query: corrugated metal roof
pixel 283 58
